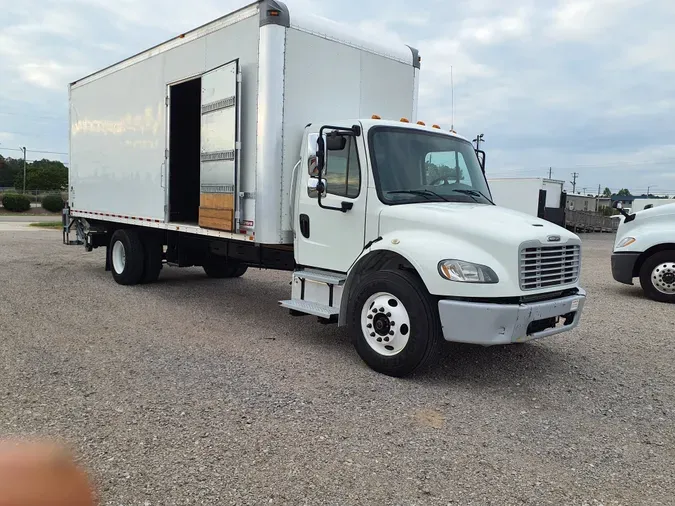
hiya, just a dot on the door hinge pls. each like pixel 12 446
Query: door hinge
pixel 166 100
pixel 237 145
pixel 239 77
pixel 166 154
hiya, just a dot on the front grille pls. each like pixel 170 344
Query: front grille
pixel 549 266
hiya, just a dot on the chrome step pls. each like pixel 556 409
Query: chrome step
pixel 313 308
pixel 321 277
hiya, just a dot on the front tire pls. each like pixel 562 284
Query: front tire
pixel 657 276
pixel 127 256
pixel 394 322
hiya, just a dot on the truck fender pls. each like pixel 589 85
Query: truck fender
pixel 419 251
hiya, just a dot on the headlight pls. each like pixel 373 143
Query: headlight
pixel 466 272
pixel 626 241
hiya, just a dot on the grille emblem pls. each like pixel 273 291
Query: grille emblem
pixel 553 238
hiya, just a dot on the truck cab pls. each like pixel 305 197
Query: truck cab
pixel 645 248
pixel 396 236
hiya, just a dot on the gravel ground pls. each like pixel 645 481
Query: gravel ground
pixel 199 391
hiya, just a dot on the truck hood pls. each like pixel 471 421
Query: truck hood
pixel 657 222
pixel 427 233
pixel 483 225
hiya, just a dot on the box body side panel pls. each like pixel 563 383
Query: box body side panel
pixel 118 125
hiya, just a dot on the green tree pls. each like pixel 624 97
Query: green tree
pixel 9 169
pixel 607 193
pixel 624 193
pixel 44 175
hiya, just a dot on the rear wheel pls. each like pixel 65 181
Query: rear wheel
pixel 394 322
pixel 220 268
pixel 657 276
pixel 126 256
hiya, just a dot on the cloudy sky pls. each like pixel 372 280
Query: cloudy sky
pixel 584 86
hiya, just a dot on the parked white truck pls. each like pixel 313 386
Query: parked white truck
pixel 644 248
pixel 243 144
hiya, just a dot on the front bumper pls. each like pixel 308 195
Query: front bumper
pixel 623 265
pixel 494 324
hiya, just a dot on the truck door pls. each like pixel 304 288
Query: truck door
pixel 219 148
pixel 326 236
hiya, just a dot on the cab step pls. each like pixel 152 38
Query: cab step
pixel 310 308
pixel 321 277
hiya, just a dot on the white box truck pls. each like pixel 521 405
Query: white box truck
pixel 273 140
pixel 536 196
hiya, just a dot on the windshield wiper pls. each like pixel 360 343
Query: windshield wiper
pixel 424 193
pixel 473 193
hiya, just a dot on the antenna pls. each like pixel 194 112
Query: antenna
pixel 452 91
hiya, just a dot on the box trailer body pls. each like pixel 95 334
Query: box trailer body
pixel 640 204
pixel 539 197
pixel 257 80
pixel 271 140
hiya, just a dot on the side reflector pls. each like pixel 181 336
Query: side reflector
pixel 435 126
pixel 421 123
pixel 404 120
pixel 375 116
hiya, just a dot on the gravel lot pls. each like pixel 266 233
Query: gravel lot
pixel 199 391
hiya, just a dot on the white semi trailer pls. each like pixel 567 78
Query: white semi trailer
pixel 254 141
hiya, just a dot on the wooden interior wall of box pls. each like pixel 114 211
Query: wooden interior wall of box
pixel 216 211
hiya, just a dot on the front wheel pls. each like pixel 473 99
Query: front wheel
pixel 394 322
pixel 657 276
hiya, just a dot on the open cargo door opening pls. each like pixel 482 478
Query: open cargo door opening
pixel 184 124
pixel 219 148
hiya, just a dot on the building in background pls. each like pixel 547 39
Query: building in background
pixel 579 202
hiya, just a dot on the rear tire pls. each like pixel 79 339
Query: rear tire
pixel 153 258
pixel 220 268
pixel 394 322
pixel 657 276
pixel 127 256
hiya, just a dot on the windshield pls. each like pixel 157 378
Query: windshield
pixel 417 166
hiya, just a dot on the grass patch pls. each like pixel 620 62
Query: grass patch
pixel 47 224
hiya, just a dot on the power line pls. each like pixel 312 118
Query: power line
pixel 35 151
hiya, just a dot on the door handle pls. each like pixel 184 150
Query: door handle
pixel 304 225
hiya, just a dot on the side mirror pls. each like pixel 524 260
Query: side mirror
pixel 628 217
pixel 335 141
pixel 480 154
pixel 316 188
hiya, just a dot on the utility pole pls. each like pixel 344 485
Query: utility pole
pixel 550 172
pixel 24 168
pixel 598 190
pixel 575 175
